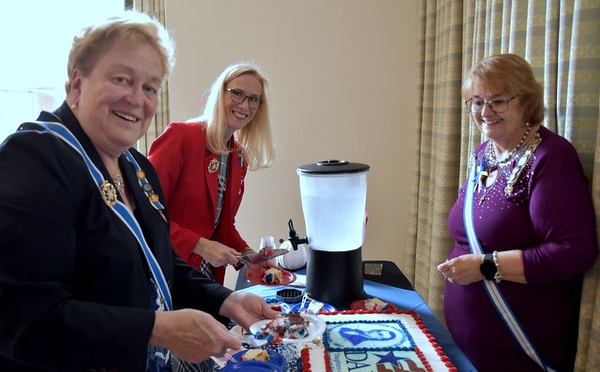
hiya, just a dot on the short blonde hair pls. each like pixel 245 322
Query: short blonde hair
pixel 133 27
pixel 514 75
pixel 255 138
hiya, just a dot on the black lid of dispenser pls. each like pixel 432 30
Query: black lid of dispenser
pixel 333 166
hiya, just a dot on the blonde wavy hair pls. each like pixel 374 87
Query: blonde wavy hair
pixel 255 139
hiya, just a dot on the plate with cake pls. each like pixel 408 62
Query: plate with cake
pixel 270 276
pixel 253 356
pixel 311 307
pixel 372 304
pixel 289 328
pixel 252 366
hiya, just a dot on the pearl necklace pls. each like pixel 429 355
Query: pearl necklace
pixel 492 154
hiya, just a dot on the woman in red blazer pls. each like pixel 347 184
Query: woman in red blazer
pixel 202 165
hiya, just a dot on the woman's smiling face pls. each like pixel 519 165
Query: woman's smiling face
pixel 501 127
pixel 240 114
pixel 116 102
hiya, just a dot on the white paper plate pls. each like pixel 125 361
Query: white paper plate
pixel 316 327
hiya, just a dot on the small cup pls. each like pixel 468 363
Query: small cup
pixel 289 295
pixel 267 241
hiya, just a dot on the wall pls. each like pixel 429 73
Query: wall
pixel 342 85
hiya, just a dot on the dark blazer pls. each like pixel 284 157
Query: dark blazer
pixel 74 285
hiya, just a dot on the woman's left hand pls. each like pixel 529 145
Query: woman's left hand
pixel 462 269
pixel 246 309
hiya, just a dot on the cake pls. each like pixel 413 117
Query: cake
pixel 273 276
pixel 255 354
pixel 290 325
pixel 367 340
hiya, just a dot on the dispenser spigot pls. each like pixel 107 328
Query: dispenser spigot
pixel 294 239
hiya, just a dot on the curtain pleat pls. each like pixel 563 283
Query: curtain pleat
pixel 440 113
pixel 560 39
pixel 155 8
pixel 588 346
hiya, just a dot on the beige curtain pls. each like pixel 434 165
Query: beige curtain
pixel 155 8
pixel 561 41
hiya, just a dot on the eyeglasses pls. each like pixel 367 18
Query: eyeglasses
pixel 238 96
pixel 499 106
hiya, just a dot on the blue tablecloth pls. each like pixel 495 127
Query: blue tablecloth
pixel 405 300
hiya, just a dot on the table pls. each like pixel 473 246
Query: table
pixel 390 275
pixel 392 287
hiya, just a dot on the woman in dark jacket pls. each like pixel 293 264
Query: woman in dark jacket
pixel 88 276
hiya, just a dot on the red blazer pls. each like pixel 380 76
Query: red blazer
pixel 182 161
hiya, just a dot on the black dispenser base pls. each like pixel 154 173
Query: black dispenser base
pixel 335 278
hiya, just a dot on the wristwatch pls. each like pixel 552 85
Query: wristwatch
pixel 488 267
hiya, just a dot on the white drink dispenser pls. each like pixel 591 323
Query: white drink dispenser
pixel 334 194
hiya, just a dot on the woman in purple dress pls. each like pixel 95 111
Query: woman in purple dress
pixel 514 278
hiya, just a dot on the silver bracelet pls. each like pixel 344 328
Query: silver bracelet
pixel 498 275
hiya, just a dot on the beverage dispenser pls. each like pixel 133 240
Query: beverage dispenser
pixel 334 194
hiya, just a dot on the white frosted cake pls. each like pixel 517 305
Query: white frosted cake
pixel 366 340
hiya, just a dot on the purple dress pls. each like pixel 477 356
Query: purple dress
pixel 549 215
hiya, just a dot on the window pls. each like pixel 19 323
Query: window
pixel 35 42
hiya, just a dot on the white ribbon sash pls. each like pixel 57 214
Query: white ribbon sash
pixel 491 287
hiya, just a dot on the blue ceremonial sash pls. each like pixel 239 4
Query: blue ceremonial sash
pixel 118 207
pixel 491 287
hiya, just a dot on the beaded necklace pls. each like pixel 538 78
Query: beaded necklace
pixel 523 152
pixel 491 154
pixel 518 168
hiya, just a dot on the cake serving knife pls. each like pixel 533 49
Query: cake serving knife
pixel 265 254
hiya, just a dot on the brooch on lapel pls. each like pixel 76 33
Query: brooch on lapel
pixel 213 165
pixel 109 193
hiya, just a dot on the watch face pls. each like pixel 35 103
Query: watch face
pixel 488 268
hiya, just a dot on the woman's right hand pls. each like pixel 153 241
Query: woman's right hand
pixel 192 335
pixel 217 254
